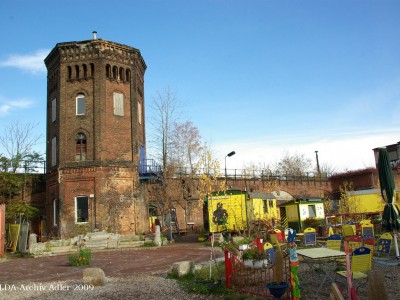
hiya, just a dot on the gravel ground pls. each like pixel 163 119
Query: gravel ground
pixel 135 287
pixel 158 286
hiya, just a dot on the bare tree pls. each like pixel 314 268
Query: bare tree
pixel 328 169
pixel 164 106
pixel 293 165
pixel 18 142
pixel 186 145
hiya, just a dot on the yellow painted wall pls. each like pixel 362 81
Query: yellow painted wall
pixel 232 210
pixel 367 203
pixel 292 213
pixel 255 209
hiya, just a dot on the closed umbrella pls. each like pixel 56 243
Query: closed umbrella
pixel 391 216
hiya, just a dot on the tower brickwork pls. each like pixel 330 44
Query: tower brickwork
pixel 95 137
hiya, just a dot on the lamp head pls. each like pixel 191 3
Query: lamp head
pixel 231 153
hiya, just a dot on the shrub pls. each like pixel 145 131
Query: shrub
pixel 82 258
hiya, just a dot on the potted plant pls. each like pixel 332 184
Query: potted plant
pixel 278 287
pixel 253 257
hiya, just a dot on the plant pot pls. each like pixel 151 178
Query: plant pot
pixel 260 263
pixel 277 290
pixel 243 247
pixel 248 262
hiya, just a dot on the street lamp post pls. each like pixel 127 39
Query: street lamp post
pixel 316 155
pixel 228 155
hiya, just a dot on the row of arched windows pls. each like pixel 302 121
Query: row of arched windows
pixel 119 74
pixel 112 72
pixel 80 71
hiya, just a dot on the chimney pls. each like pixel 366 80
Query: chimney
pixel 94 35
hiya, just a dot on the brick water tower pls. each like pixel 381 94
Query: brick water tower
pixel 95 138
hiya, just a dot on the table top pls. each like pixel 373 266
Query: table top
pixel 320 253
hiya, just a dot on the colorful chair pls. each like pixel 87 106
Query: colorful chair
pixel 369 242
pixel 355 242
pixel 367 230
pixel 384 244
pixel 276 236
pixel 348 230
pixel 360 264
pixel 310 236
pixel 334 242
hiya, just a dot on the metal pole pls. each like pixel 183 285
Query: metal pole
pixel 316 154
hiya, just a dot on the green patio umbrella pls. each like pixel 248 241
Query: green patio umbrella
pixel 390 218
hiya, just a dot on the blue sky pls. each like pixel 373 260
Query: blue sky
pixel 258 77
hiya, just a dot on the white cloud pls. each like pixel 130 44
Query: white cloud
pixel 350 151
pixel 32 62
pixel 6 108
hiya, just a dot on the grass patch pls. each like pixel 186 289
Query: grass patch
pixel 200 282
pixel 149 244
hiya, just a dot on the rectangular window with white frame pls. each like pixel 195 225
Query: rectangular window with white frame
pixel 81 209
pixel 118 104
pixel 53 110
pixel 80 105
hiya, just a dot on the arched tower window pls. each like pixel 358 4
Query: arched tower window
pixel 92 70
pixel 108 71
pixel 69 72
pixel 80 147
pixel 76 71
pixel 121 74
pixel 128 75
pixel 84 71
pixel 115 72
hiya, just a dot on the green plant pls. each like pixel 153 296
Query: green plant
pixel 82 258
pixel 48 247
pixel 250 253
pixel 200 281
pixel 312 222
pixel 149 244
pixel 254 254
pixel 231 247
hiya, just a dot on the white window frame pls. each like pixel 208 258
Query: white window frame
pixel 79 100
pixel 53 151
pixel 54 110
pixel 118 104
pixel 76 209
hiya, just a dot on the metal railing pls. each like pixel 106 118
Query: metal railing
pixel 251 280
pixel 149 166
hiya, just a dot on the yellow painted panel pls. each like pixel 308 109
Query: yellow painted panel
pixel 292 213
pixel 255 209
pixel 367 203
pixel 227 212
